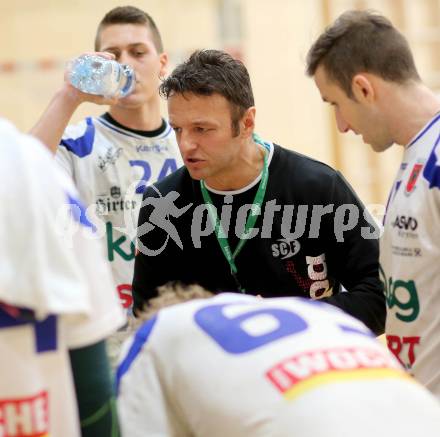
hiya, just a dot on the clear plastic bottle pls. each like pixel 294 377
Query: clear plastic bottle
pixel 94 74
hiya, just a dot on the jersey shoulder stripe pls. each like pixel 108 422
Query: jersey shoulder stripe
pixel 81 146
pixel 431 172
pixel 140 339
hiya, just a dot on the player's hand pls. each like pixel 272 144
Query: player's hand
pixel 75 94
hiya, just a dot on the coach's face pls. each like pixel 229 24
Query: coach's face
pixel 358 114
pixel 203 125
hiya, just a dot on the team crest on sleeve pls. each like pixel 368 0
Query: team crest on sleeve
pixel 412 180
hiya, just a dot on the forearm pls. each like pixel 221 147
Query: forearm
pixel 366 302
pixel 355 261
pixel 357 269
pixel 51 125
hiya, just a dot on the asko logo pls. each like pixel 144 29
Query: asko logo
pixel 25 417
pixel 405 223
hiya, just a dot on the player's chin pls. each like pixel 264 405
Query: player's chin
pixel 196 174
pixel 380 147
pixel 129 102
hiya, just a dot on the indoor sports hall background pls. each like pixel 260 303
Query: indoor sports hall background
pixel 272 37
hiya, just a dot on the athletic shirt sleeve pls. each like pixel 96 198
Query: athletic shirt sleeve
pixel 45 233
pixel 354 255
pixel 77 142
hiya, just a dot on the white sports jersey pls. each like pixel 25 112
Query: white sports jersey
pixel 409 256
pixel 54 291
pixel 111 167
pixel 237 366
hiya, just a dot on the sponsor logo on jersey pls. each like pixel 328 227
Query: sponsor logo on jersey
pixel 115 192
pixel 285 248
pixel 316 284
pixel 25 417
pixel 309 370
pixel 401 297
pixel 317 271
pixel 125 295
pixel 406 226
pixel 414 175
pixel 155 148
pixel 404 222
pixel 408 252
pixel 118 244
pixel 403 348
pixel 113 203
pixel 110 157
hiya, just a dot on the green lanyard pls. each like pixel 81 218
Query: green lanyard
pixel 250 221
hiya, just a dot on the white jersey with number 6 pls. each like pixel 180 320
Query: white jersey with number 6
pixel 236 366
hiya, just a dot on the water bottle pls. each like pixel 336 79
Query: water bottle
pixel 94 74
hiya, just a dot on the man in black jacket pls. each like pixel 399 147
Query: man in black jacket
pixel 245 214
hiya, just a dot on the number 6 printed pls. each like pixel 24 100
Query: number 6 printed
pixel 230 332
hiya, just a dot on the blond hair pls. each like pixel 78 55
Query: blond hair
pixel 172 294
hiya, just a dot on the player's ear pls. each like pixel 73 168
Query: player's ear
pixel 163 59
pixel 362 88
pixel 247 122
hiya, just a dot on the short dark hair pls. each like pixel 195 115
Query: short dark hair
pixel 209 72
pixel 362 41
pixel 130 15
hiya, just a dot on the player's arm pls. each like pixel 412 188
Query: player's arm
pixel 54 120
pixel 354 258
pixel 94 391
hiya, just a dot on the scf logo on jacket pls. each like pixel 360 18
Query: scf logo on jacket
pixel 285 248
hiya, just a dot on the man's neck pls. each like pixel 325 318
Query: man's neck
pixel 412 110
pixel 247 168
pixel 144 118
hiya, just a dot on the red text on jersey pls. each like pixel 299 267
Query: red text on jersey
pixel 25 417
